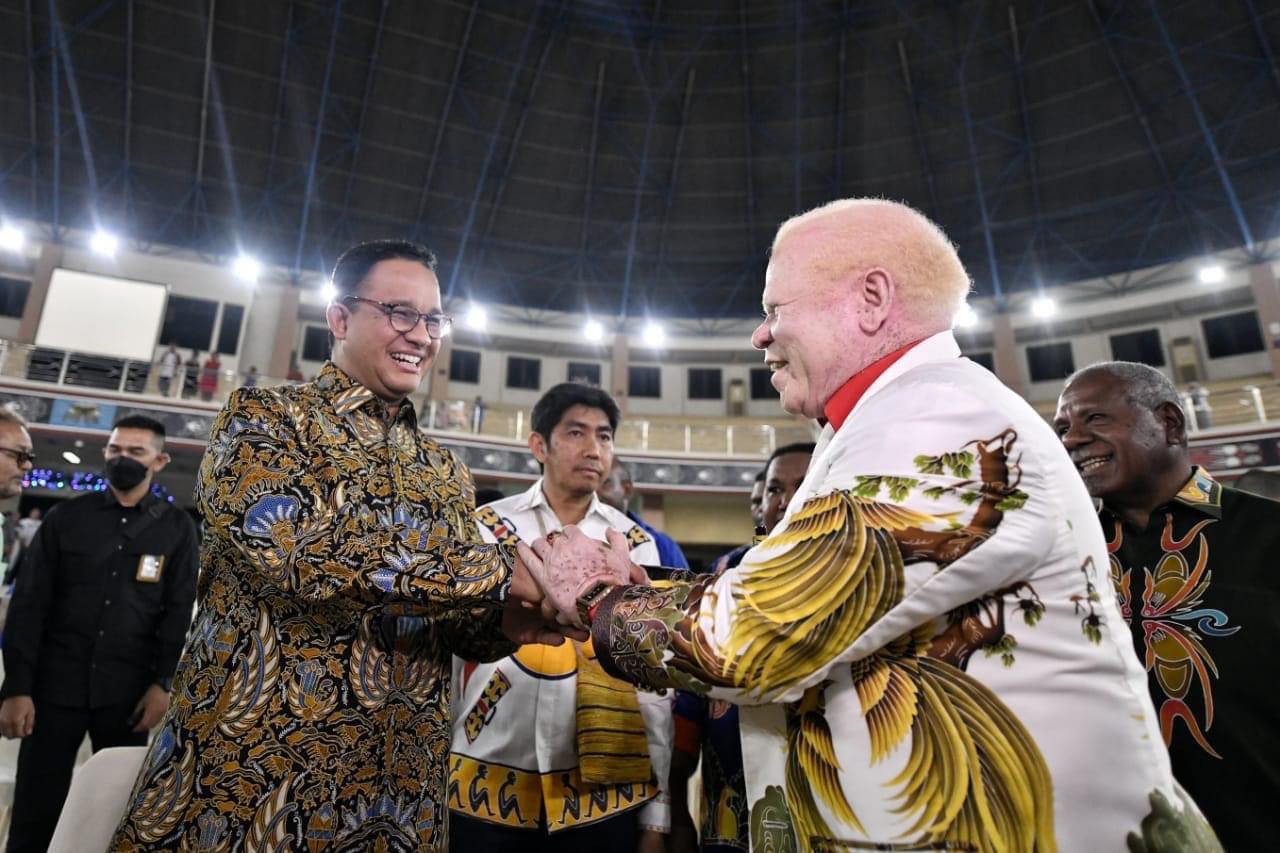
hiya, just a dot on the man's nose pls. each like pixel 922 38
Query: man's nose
pixel 762 336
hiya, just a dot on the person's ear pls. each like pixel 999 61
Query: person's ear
pixel 162 459
pixel 1174 421
pixel 338 316
pixel 538 447
pixel 876 292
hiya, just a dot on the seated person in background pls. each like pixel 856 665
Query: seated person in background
pixel 709 727
pixel 549 752
pixel 616 491
pixel 1194 564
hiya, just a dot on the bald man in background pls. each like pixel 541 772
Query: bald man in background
pixel 925 651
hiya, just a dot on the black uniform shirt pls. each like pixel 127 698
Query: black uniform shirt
pixel 1201 590
pixel 102 606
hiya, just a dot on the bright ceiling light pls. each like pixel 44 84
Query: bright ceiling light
pixel 1212 274
pixel 247 268
pixel 477 318
pixel 654 336
pixel 593 332
pixel 71 457
pixel 328 292
pixel 966 318
pixel 12 239
pixel 1043 307
pixel 104 243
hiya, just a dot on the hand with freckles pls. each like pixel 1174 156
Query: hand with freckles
pixel 568 565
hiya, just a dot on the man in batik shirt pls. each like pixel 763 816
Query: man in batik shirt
pixel 925 651
pixel 340 570
pixel 1194 564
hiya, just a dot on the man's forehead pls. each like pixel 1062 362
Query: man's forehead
pixel 402 281
pixel 14 434
pixel 132 437
pixel 584 416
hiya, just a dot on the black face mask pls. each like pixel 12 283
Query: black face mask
pixel 125 473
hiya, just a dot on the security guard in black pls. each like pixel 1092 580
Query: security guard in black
pixel 96 626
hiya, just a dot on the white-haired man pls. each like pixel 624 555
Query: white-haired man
pixel 926 646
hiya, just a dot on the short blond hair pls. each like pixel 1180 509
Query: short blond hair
pixel 871 232
pixel 9 415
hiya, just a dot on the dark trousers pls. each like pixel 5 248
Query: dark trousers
pixel 612 835
pixel 45 761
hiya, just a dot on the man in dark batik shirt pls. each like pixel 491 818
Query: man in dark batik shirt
pixel 1194 565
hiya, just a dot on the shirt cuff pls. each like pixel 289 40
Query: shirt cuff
pixel 655 814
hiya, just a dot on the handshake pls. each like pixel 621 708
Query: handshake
pixel 550 578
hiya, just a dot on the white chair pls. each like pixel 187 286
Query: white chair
pixel 99 795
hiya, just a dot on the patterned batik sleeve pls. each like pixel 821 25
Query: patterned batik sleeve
pixel 294 522
pixel 909 523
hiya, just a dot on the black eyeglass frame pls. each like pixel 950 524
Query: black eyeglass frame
pixel 22 457
pixel 443 321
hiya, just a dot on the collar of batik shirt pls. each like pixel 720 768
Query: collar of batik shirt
pixel 353 399
pixel 1200 492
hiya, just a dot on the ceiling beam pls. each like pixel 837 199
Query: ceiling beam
pixel 77 110
pixel 316 136
pixel 55 105
pixel 482 181
pixel 277 120
pixel 917 131
pixel 1206 133
pixel 1033 165
pixel 1263 43
pixel 454 77
pixel 589 190
pixel 837 171
pixel 204 92
pixel 744 50
pixel 974 164
pixel 127 213
pixel 31 110
pixel 669 195
pixel 369 77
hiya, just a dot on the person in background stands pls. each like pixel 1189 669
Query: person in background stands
pixel 732 558
pixel 708 728
pixel 209 377
pixel 1194 566
pixel 251 377
pixel 96 625
pixel 16 459
pixel 167 369
pixel 549 753
pixel 477 414
pixel 616 491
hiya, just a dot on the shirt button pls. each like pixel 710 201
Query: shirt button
pixel 119 547
pixel 108 601
pixel 100 633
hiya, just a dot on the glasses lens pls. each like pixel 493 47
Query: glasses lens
pixel 438 325
pixel 404 319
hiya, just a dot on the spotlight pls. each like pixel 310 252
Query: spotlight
pixel 104 243
pixel 12 239
pixel 1043 307
pixel 1212 274
pixel 71 457
pixel 654 336
pixel 477 317
pixel 966 318
pixel 247 268
pixel 593 331
pixel 328 292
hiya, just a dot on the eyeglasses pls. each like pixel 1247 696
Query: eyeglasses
pixel 404 319
pixel 22 457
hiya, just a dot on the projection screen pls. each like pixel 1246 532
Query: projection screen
pixel 100 315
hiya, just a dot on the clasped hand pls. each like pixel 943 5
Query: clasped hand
pixel 553 573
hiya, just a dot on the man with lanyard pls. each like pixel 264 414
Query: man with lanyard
pixel 96 626
pixel 1194 565
pixel 616 491
pixel 549 752
pixel 924 651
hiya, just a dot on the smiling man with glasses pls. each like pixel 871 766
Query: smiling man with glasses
pixel 16 457
pixel 341 570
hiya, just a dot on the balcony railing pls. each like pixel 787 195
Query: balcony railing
pixel 71 371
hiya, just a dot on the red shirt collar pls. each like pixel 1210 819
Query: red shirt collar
pixel 842 402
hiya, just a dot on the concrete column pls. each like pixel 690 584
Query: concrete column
pixel 438 389
pixel 653 510
pixel 1266 295
pixel 286 341
pixel 618 384
pixel 1006 352
pixel 50 258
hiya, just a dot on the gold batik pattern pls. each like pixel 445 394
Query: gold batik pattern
pixel 340 570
